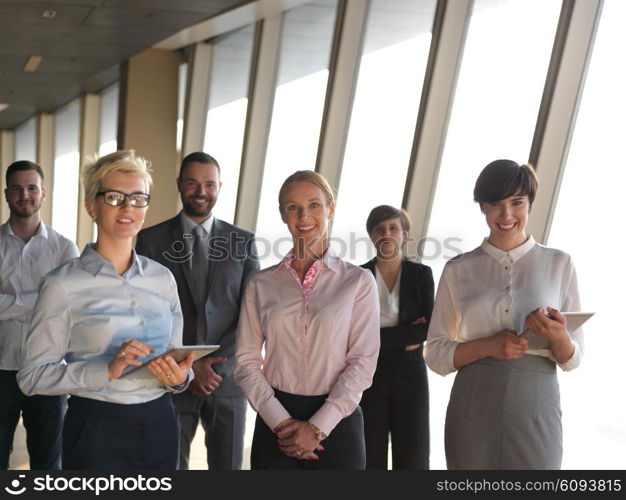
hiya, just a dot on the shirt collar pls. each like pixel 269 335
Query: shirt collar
pixel 42 230
pixel 515 253
pixel 93 262
pixel 5 229
pixel 329 260
pixel 189 225
pixel 382 286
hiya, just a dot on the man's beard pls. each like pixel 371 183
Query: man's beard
pixel 189 209
pixel 24 211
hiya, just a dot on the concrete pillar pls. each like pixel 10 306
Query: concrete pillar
pixel 147 123
pixel 6 158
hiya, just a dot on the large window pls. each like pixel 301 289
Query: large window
pixel 297 114
pixel 66 170
pixel 226 115
pixel 384 115
pixel 586 224
pixel 183 70
pixel 107 137
pixel 499 90
pixel 26 141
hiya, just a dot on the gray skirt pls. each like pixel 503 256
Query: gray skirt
pixel 505 414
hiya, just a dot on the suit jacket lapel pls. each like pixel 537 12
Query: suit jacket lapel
pixel 405 287
pixel 371 265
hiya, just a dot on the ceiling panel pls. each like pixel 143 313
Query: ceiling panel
pixel 53 3
pixel 82 46
pixel 214 6
pixel 147 19
pixel 30 15
pixel 67 49
pixel 94 35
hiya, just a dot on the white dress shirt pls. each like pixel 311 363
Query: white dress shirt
pixel 320 337
pixel 487 290
pixel 389 301
pixel 84 313
pixel 22 265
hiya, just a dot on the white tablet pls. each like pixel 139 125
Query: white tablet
pixel 576 319
pixel 178 353
pixel 539 345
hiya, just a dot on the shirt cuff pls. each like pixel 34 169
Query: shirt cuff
pixel 441 360
pixel 450 368
pixel 572 362
pixel 98 375
pixel 326 418
pixel 273 413
pixel 181 387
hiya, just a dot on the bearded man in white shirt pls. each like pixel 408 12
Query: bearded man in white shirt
pixel 29 249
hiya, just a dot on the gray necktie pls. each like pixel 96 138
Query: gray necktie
pixel 199 275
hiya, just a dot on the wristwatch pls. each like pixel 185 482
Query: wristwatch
pixel 320 435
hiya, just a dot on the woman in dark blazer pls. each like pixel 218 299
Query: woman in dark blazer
pixel 397 402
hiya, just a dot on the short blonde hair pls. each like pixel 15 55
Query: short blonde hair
pixel 307 176
pixel 126 161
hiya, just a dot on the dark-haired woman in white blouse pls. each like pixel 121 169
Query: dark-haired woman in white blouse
pixel 504 410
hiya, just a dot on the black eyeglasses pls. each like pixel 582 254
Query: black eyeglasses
pixel 117 198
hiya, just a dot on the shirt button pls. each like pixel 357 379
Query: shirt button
pixel 508 287
pixel 506 310
pixel 506 267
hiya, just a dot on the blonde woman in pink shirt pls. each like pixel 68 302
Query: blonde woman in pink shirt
pixel 317 318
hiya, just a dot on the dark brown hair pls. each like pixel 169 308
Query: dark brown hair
pixel 198 157
pixel 384 212
pixel 504 178
pixel 21 165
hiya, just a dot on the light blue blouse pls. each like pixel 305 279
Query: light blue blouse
pixel 84 312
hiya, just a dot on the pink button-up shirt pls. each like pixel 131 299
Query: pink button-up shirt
pixel 321 337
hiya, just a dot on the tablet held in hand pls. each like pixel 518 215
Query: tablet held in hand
pixel 178 353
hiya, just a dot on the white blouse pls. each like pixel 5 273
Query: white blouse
pixel 487 290
pixel 389 301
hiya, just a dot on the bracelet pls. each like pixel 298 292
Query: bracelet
pixel 319 434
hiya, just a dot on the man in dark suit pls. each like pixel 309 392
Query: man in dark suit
pixel 211 261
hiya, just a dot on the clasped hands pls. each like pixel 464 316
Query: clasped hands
pixel 297 439
pixel 165 369
pixel 206 379
pixel 547 323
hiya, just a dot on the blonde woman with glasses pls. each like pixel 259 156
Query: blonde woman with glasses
pixel 99 315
